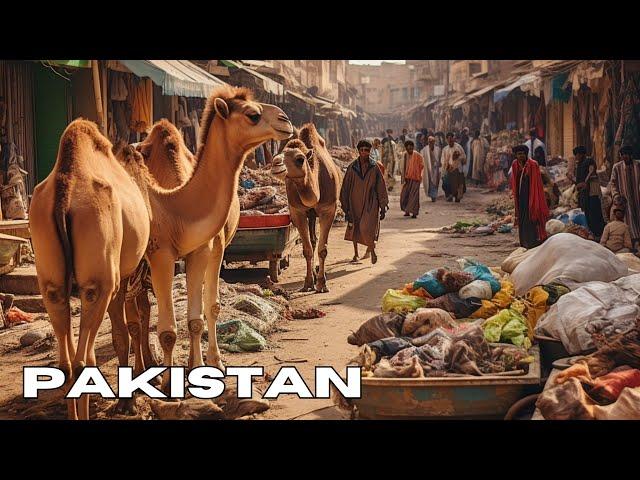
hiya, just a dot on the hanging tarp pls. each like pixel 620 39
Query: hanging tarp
pixel 557 88
pixel 175 77
pixel 501 94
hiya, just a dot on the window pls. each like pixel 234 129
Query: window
pixel 475 67
pixel 405 93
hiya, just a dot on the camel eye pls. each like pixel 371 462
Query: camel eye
pixel 254 117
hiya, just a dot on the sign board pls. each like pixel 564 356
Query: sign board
pixel 438 90
pixel 364 80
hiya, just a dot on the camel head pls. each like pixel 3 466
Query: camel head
pixel 302 170
pixel 245 122
pixel 166 155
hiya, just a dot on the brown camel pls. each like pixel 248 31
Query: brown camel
pixel 186 219
pixel 313 186
pixel 88 220
pixel 170 164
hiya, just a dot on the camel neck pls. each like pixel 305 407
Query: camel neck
pixel 209 193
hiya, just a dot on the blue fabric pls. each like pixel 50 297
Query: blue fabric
pixel 482 272
pixel 430 283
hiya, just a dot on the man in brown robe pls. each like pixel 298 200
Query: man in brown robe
pixel 364 201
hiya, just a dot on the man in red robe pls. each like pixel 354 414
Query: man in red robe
pixel 532 211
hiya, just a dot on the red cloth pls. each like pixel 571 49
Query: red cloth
pixel 611 385
pixel 538 209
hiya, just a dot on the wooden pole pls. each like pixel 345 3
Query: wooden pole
pixel 97 93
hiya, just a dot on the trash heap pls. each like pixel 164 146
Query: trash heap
pixel 604 385
pixel 261 193
pixel 501 212
pixel 343 156
pixel 451 323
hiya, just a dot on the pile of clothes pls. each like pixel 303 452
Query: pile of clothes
pixel 430 343
pixel 602 386
pixel 261 193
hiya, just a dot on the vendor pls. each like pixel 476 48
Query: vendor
pixel 531 207
pixel 589 194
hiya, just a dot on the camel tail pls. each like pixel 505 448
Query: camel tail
pixel 63 234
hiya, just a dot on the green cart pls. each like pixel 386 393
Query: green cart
pixel 268 244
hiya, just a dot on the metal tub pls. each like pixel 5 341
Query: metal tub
pixel 470 397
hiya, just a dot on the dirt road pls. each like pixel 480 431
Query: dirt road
pixel 407 248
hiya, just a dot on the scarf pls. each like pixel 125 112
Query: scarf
pixel 538 209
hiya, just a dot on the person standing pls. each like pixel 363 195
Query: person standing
pixel 453 160
pixel 625 182
pixel 431 180
pixel 389 157
pixel 411 180
pixel 531 207
pixel 479 149
pixel 589 193
pixel 364 200
pixel 376 151
pixel 534 142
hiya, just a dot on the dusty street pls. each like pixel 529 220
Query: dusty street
pixel 407 248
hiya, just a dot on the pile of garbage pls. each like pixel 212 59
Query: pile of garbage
pixel 261 193
pixel 343 156
pixel 248 314
pixel 477 227
pixel 501 207
pixel 451 322
pixel 604 385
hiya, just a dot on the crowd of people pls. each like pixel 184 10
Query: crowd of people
pixel 434 160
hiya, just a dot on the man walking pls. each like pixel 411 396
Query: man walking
pixel 411 180
pixel 479 149
pixel 532 211
pixel 364 200
pixel 453 160
pixel 431 180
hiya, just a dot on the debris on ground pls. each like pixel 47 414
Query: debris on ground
pixel 307 313
pixel 261 193
pixel 237 336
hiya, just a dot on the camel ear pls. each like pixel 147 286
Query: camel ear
pixel 221 107
pixel 310 155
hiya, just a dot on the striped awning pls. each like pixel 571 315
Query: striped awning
pixel 176 77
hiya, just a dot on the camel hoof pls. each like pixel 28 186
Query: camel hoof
pixel 322 289
pixel 219 365
pixel 126 406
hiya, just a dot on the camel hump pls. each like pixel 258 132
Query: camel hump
pixel 169 134
pixel 310 136
pixel 80 133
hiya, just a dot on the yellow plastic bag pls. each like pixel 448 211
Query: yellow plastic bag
pixel 488 309
pixel 399 302
pixel 536 306
pixel 504 297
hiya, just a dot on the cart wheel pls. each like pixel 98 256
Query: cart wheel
pixel 274 270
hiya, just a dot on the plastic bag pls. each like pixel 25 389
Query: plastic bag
pixel 488 309
pixel 396 301
pixel 504 297
pixel 257 307
pixel 554 226
pixel 478 288
pixel 482 272
pixel 508 326
pixel 237 336
pixel 430 283
pixel 380 326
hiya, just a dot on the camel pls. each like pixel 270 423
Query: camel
pixel 313 186
pixel 89 220
pixel 170 164
pixel 186 219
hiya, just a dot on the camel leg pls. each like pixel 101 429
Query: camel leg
pixel 326 221
pixel 196 263
pixel 162 268
pixel 134 328
pixel 120 340
pixel 301 222
pixel 60 316
pixel 212 300
pixel 95 297
pixel 144 309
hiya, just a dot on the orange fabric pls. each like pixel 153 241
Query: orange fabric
pixel 415 166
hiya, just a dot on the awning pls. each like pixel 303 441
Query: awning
pixel 70 63
pixel 501 94
pixel 482 91
pixel 176 77
pixel 301 97
pixel 267 84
